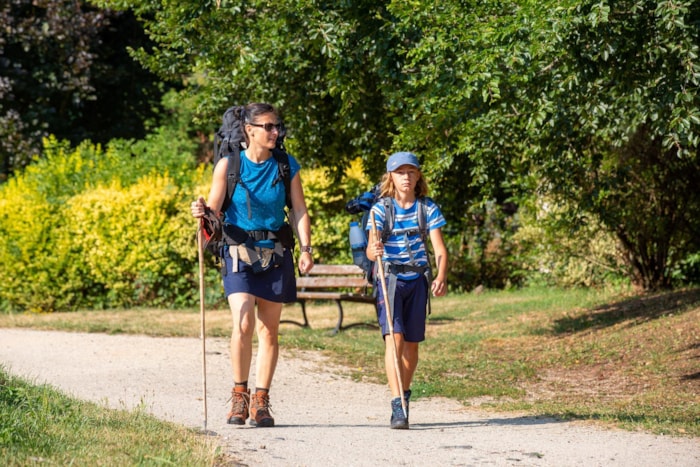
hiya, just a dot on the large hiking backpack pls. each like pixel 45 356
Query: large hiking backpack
pixel 229 140
pixel 363 203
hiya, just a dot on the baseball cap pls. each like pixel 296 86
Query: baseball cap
pixel 401 158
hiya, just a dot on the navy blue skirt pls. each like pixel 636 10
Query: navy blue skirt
pixel 277 284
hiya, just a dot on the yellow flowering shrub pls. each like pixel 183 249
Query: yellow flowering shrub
pixel 326 201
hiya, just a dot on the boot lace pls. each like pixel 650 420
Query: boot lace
pixel 262 403
pixel 239 403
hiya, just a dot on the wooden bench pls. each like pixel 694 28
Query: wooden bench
pixel 335 282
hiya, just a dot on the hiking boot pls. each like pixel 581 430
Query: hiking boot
pixel 398 420
pixel 260 410
pixel 240 401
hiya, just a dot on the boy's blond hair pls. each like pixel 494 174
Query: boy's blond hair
pixel 387 187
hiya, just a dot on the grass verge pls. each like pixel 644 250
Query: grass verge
pixel 39 425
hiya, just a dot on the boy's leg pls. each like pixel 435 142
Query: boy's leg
pixel 389 364
pixel 409 363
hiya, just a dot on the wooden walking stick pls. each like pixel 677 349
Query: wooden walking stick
pixel 390 319
pixel 202 331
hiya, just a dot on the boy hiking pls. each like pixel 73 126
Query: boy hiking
pixel 406 271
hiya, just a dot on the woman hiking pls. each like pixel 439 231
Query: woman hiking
pixel 407 269
pixel 260 270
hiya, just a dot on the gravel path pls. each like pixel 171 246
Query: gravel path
pixel 322 418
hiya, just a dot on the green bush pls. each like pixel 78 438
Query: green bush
pixel 556 252
pixel 325 200
pixel 87 228
pixel 485 253
pixel 133 241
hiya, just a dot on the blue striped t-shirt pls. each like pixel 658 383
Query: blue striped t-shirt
pixel 402 247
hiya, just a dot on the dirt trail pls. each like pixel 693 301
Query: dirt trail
pixel 322 418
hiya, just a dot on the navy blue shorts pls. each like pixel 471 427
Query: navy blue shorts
pixel 409 311
pixel 277 284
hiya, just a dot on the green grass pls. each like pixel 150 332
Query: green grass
pixel 39 425
pixel 604 356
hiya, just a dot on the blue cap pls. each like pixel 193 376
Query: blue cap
pixel 401 158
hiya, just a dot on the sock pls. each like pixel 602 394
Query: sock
pixel 243 385
pixel 265 390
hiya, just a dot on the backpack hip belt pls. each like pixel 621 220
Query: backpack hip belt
pixel 393 268
pixel 234 235
pixel 242 246
pixel 260 259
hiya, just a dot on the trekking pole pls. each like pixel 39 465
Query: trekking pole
pixel 202 331
pixel 390 320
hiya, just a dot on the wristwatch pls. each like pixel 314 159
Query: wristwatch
pixel 307 249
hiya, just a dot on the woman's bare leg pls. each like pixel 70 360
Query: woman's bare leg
pixel 268 324
pixel 243 314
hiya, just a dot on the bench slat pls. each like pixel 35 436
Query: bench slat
pixel 330 282
pixel 335 269
pixel 360 298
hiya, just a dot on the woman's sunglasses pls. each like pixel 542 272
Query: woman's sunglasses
pixel 268 126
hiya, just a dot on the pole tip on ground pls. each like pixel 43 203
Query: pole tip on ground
pixel 206 432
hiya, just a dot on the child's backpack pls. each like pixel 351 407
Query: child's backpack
pixel 229 140
pixel 363 203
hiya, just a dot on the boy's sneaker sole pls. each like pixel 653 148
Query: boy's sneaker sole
pixel 399 424
pixel 398 420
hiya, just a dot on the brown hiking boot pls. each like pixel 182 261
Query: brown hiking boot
pixel 260 410
pixel 240 401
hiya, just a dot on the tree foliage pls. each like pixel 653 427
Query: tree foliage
pixel 324 64
pixel 65 70
pixel 592 103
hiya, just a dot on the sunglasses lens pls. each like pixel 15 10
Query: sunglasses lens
pixel 268 126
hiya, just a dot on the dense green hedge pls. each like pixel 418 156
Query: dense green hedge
pixel 94 228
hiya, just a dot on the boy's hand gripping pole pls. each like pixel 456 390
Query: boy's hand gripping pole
pixel 389 318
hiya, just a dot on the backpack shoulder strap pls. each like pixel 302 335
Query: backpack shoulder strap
pixel 233 175
pixel 284 173
pixel 388 218
pixel 422 219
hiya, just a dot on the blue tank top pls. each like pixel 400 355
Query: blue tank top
pixel 266 198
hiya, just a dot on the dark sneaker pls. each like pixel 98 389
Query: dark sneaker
pixel 398 419
pixel 407 398
pixel 260 410
pixel 240 401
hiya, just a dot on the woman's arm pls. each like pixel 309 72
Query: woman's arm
pixel 216 193
pixel 303 223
